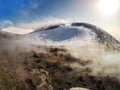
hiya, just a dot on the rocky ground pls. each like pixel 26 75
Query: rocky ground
pixel 46 68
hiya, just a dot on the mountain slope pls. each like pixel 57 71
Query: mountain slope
pixel 26 65
pixel 74 31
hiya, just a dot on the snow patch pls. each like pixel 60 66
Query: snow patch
pixel 16 30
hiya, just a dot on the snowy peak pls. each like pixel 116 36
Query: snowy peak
pixel 101 34
pixel 66 32
pixel 70 33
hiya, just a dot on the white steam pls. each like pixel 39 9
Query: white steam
pixel 39 24
pixel 107 64
pixel 104 63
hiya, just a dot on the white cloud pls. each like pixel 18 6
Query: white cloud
pixel 6 23
pixel 35 5
pixel 39 24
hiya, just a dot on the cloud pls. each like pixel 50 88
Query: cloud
pixel 34 5
pixel 30 10
pixel 46 22
pixel 6 23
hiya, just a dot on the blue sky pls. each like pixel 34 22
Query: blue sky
pixel 16 10
pixel 9 8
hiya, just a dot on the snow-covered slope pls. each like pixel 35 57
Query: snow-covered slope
pixel 62 33
pixel 71 33
pixel 15 30
pixel 77 32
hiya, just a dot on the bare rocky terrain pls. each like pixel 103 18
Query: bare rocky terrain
pixel 37 67
pixel 50 70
